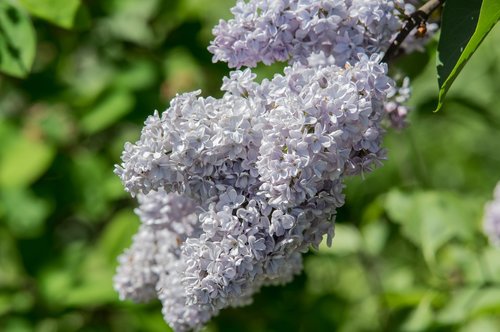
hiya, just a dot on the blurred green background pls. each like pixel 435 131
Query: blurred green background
pixel 409 253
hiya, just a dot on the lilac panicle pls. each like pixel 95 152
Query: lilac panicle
pixel 233 190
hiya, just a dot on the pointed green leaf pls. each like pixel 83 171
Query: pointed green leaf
pixel 17 41
pixel 465 24
pixel 58 12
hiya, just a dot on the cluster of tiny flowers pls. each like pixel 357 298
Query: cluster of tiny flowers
pixel 233 190
pixel 491 222
pixel 291 30
pixel 268 31
pixel 395 107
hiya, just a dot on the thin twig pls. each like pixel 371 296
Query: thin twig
pixel 414 20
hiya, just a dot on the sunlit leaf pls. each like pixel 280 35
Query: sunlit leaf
pixel 347 240
pixel 140 75
pixel 491 264
pixel 483 324
pixel 421 318
pixel 118 235
pixel 17 41
pixel 58 12
pixel 116 105
pixel 54 284
pixel 23 159
pixel 130 20
pixel 471 302
pixel 375 236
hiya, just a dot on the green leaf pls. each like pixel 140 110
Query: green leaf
pixel 12 273
pixel 460 264
pixel 422 316
pixel 25 213
pixel 108 112
pixel 139 75
pixel 465 24
pixel 58 12
pixel 23 160
pixel 491 259
pixel 430 219
pixel 117 235
pixel 130 20
pixel 90 172
pixel 471 302
pixel 483 324
pixel 347 240
pixel 375 235
pixel 95 277
pixel 17 41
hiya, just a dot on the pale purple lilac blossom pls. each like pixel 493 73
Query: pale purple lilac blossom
pixel 291 30
pixel 233 190
pixel 317 32
pixel 395 107
pixel 255 191
pixel 491 223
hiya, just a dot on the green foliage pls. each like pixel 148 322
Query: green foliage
pixel 58 12
pixel 409 253
pixel 17 40
pixel 107 112
pixel 432 219
pixel 465 25
pixel 23 159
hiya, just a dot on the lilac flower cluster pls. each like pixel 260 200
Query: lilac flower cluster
pixel 233 190
pixel 314 32
pixel 491 223
pixel 291 30
pixel 395 107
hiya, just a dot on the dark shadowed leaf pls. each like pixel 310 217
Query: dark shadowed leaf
pixel 12 273
pixel 465 24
